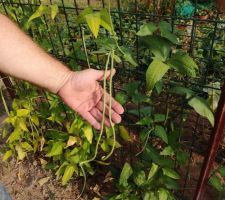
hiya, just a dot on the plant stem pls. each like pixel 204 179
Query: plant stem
pixel 146 142
pixel 4 102
pixel 102 129
pixel 85 48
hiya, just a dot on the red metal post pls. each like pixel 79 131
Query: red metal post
pixel 215 140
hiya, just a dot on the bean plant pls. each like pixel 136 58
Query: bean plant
pixel 39 123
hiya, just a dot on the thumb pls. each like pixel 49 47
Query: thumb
pixel 99 74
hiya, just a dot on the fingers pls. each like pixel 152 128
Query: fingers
pixel 98 115
pixel 115 105
pixel 115 116
pixel 99 74
pixel 87 116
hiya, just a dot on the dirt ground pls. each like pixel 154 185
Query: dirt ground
pixel 28 181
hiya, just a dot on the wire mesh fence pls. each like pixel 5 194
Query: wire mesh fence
pixel 200 33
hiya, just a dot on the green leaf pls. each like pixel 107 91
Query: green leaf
pixel 222 171
pixel 166 32
pixel 20 152
pixel 128 57
pixel 159 118
pixel 74 159
pixel 124 134
pixel 56 135
pixel 117 58
pixel 121 97
pixel 61 169
pixel 168 151
pixel 81 17
pixel 7 155
pixel 147 29
pixel 215 181
pixel 156 70
pixel 161 133
pixel 131 88
pixel 170 173
pixel 106 20
pixel 88 132
pixel 159 46
pixel 56 149
pixel 145 121
pixel 140 178
pixel 183 91
pixel 163 194
pixel 202 107
pixel 182 157
pixel 170 183
pixel 42 9
pixel 110 142
pixel 69 171
pixel 22 112
pixel 125 175
pixel 105 146
pixel 93 21
pixel 153 170
pixel 54 10
pixel 183 63
pixel 149 196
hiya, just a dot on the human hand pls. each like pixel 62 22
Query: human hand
pixel 83 93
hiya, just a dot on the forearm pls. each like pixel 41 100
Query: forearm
pixel 22 58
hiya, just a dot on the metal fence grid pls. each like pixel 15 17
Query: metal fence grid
pixel 203 39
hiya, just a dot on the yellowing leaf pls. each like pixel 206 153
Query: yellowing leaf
pixel 72 140
pixel 93 21
pixel 35 120
pixel 124 133
pixel 20 152
pixel 26 146
pixel 42 9
pixel 88 133
pixel 43 162
pixel 81 17
pixel 42 181
pixel 68 174
pixel 15 135
pixel 22 112
pixel 22 124
pixel 54 10
pixel 7 155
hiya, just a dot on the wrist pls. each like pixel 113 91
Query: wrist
pixel 63 80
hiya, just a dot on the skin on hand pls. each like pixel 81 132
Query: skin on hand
pixel 83 93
